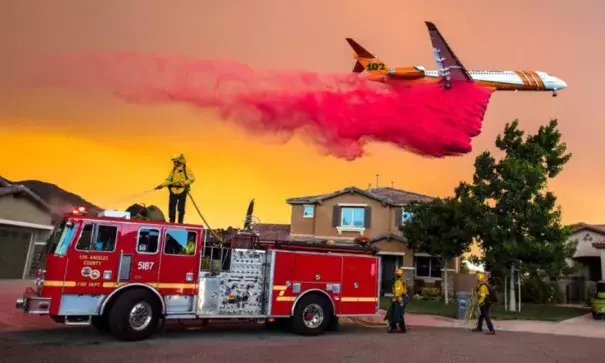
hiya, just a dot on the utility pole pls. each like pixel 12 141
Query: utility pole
pixel 377 176
pixel 392 184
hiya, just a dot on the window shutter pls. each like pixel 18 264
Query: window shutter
pixel 398 216
pixel 367 223
pixel 336 216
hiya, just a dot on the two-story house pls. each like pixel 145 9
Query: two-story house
pixel 376 213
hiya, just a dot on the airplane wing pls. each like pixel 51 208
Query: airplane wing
pixel 449 66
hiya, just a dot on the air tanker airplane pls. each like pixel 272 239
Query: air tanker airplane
pixel 451 69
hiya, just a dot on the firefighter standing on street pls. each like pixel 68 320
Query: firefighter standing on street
pixel 400 299
pixel 178 182
pixel 484 302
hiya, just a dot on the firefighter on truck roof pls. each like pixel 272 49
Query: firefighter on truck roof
pixel 179 181
pixel 400 299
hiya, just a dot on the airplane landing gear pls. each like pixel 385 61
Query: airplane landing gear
pixel 554 93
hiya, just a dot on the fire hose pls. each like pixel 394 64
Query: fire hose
pixel 204 219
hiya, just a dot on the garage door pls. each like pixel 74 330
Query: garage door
pixel 14 244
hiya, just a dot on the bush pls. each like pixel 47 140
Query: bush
pixel 538 291
pixel 430 292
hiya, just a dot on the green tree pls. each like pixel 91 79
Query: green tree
pixel 443 228
pixel 521 227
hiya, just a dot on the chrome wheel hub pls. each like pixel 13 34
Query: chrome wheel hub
pixel 140 316
pixel 313 316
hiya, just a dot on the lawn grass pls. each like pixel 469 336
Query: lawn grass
pixel 528 311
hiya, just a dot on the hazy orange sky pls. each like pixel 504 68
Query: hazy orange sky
pixel 103 149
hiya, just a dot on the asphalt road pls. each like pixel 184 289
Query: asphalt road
pixel 26 338
pixel 255 344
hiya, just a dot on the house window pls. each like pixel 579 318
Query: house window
pixel 406 216
pixel 428 267
pixel 352 217
pixel 308 210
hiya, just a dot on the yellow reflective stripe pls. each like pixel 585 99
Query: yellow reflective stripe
pixel 286 298
pixel 113 284
pixel 358 299
pixel 280 287
pixel 281 293
pixel 174 286
pixel 51 283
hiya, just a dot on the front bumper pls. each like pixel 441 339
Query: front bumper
pixel 33 305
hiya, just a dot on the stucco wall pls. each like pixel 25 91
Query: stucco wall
pixel 585 240
pixel 22 210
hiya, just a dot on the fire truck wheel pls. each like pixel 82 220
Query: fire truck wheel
pixel 100 323
pixel 134 316
pixel 311 315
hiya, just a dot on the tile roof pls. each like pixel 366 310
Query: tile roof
pixel 597 228
pixel 272 231
pixel 389 196
pixel 388 236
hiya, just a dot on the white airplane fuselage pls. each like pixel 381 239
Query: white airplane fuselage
pixel 511 80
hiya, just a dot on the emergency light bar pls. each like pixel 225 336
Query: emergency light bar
pixel 79 211
pixel 114 214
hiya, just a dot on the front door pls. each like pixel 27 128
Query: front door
pixel 180 261
pixel 389 265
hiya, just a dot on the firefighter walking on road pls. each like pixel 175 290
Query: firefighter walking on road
pixel 395 314
pixel 484 299
pixel 178 182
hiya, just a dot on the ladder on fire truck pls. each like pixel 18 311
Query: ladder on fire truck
pixel 250 239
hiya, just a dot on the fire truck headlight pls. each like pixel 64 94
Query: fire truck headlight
pixel 107 275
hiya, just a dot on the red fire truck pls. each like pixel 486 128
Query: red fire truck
pixel 126 275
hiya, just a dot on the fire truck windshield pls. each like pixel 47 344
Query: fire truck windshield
pixel 59 240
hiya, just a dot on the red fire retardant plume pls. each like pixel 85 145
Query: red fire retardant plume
pixel 340 112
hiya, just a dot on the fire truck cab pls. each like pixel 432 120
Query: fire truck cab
pixel 125 276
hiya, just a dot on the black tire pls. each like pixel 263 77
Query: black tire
pixel 319 306
pixel 100 323
pixel 119 316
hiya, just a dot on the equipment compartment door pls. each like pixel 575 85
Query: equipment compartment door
pixel 315 271
pixel 280 296
pixel 180 261
pixel 359 285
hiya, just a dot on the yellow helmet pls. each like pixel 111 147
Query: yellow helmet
pixel 480 277
pixel 399 272
pixel 179 158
